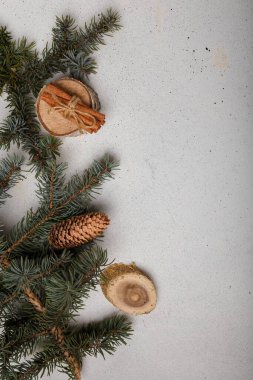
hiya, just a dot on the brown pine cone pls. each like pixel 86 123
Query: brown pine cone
pixel 78 230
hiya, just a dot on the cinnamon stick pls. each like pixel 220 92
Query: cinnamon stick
pixel 80 106
pixel 85 118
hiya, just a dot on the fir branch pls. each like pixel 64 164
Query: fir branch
pixel 72 360
pixel 64 33
pixel 46 149
pixel 100 337
pixel 20 337
pixel 92 35
pixel 79 65
pixel 67 37
pixel 49 264
pixel 33 229
pixel 56 332
pixel 6 299
pixel 13 130
pixel 92 339
pixel 5 37
pixel 16 308
pixel 22 127
pixel 81 189
pixel 23 71
pixel 34 300
pixel 42 363
pixel 40 293
pixel 51 184
pixel 7 296
pixel 17 275
pixel 13 54
pixel 30 272
pixel 67 282
pixel 67 288
pixel 34 74
pixel 10 174
pixel 63 40
pixel 52 187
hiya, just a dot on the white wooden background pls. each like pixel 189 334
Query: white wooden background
pixel 176 86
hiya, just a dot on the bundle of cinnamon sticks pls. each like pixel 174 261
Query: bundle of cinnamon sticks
pixel 57 98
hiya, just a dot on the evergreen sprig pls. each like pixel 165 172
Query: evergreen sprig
pixel 100 337
pixel 92 35
pixel 30 272
pixel 71 199
pixel 23 72
pixel 42 290
pixel 43 362
pixel 22 127
pixel 48 288
pixel 13 55
pixel 68 288
pixel 23 333
pixel 79 65
pixel 92 339
pixel 10 174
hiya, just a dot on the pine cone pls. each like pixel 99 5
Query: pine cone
pixel 78 230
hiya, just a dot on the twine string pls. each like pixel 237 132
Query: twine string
pixel 69 111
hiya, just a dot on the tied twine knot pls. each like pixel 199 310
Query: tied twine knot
pixel 70 111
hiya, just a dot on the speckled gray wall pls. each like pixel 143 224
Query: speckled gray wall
pixel 176 85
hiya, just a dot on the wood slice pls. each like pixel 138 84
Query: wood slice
pixel 53 121
pixel 129 289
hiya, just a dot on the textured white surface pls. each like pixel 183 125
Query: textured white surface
pixel 176 86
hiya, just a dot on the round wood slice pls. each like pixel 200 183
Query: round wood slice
pixel 129 289
pixel 53 121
